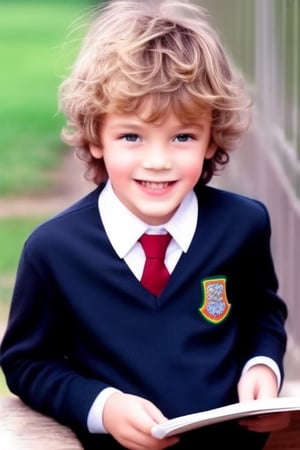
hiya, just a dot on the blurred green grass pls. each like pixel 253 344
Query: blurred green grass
pixel 35 56
pixel 36 53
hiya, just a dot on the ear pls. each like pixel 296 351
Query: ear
pixel 211 150
pixel 96 151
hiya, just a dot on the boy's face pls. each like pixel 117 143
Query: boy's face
pixel 153 166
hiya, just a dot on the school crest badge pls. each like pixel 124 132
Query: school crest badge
pixel 215 303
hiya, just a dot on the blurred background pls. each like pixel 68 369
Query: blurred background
pixel 39 176
pixel 263 39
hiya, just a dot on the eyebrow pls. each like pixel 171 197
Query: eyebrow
pixel 139 125
pixel 126 125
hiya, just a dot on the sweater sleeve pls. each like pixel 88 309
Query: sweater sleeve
pixel 35 348
pixel 263 312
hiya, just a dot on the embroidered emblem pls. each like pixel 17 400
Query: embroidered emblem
pixel 215 305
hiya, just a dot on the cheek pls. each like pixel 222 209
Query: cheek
pixel 117 163
pixel 192 168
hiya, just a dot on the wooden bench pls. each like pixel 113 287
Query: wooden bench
pixel 21 428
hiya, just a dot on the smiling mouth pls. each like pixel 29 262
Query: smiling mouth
pixel 156 185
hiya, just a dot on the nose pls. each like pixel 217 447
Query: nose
pixel 156 157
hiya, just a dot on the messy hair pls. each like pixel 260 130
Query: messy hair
pixel 165 52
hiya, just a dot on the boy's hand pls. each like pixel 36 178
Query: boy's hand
pixel 129 420
pixel 260 382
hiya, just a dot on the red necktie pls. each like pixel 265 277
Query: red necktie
pixel 155 274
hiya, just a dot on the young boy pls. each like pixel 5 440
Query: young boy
pixel 154 108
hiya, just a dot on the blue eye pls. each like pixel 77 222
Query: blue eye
pixel 130 137
pixel 183 137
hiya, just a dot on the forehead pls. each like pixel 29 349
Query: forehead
pixel 157 107
pixel 168 120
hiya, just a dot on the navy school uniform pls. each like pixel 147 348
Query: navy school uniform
pixel 80 321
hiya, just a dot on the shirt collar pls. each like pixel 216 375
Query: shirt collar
pixel 181 226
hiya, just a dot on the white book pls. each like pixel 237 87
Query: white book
pixel 235 411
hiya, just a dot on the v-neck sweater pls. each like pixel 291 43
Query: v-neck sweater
pixel 81 321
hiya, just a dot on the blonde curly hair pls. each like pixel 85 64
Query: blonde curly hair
pixel 165 52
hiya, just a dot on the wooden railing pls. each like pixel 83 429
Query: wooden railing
pixel 21 428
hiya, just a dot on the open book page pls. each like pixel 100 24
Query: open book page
pixel 230 412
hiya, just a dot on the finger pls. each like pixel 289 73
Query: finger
pixel 155 413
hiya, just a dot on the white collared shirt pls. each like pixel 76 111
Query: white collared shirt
pixel 181 227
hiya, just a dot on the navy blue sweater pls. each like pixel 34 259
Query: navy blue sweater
pixel 80 321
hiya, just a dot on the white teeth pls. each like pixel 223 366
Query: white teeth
pixel 153 185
